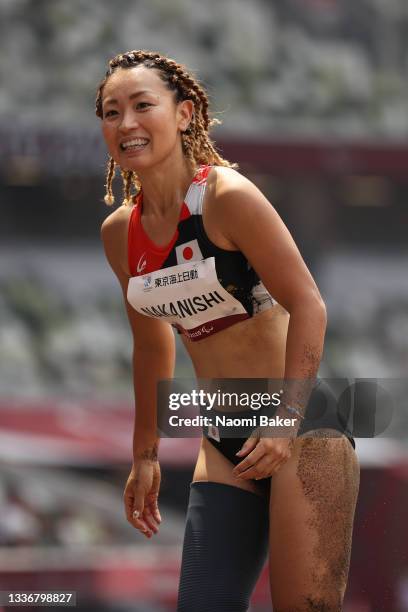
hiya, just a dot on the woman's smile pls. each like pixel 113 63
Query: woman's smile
pixel 133 146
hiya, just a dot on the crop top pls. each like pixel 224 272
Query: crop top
pixel 191 283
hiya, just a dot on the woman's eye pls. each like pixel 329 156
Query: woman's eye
pixel 139 106
pixel 142 105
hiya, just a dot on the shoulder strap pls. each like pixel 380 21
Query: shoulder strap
pixel 195 194
pixel 134 221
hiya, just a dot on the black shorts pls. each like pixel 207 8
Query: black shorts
pixel 321 413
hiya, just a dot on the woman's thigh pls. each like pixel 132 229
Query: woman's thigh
pixel 312 503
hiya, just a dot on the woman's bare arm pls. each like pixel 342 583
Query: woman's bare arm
pixel 153 341
pixel 251 223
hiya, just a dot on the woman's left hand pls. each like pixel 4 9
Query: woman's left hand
pixel 263 456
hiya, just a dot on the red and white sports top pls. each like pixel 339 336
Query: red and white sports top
pixel 196 286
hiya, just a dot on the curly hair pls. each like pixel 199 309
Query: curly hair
pixel 198 148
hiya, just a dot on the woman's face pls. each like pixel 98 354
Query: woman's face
pixel 141 121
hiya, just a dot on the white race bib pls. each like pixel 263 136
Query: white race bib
pixel 188 295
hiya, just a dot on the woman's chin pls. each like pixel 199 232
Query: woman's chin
pixel 136 163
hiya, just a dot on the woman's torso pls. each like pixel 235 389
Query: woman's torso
pixel 250 348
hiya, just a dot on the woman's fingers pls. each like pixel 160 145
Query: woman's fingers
pixel 152 498
pixel 151 513
pixel 263 469
pixel 134 507
pixel 249 461
pixel 150 520
pixel 265 459
pixel 138 520
pixel 141 497
pixel 141 525
pixel 156 513
pixel 154 509
pixel 266 468
pixel 248 446
pixel 145 519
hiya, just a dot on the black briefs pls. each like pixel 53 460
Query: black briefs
pixel 321 413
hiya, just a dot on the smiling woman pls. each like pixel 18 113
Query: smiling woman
pixel 198 248
pixel 154 107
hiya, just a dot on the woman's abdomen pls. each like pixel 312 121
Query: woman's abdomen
pixel 254 348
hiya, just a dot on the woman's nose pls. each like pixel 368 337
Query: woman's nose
pixel 128 123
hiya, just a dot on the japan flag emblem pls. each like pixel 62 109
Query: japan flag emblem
pixel 188 251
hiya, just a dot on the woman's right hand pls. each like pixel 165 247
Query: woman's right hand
pixel 141 496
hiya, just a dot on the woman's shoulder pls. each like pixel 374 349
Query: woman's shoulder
pixel 229 189
pixel 114 231
pixel 115 223
pixel 226 179
pixel 230 202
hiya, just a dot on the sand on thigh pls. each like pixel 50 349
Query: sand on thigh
pixel 312 504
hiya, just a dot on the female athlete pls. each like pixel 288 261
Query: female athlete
pixel 198 249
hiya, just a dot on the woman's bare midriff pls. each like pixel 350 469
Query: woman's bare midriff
pixel 254 348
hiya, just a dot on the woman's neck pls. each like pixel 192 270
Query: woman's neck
pixel 165 186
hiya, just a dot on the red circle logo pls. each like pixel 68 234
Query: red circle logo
pixel 187 253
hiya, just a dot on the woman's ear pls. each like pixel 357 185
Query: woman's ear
pixel 186 114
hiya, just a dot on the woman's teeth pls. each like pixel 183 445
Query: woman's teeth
pixel 136 143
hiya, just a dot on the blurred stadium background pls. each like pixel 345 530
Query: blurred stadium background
pixel 313 95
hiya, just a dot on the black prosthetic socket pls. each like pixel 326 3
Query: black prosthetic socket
pixel 225 548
